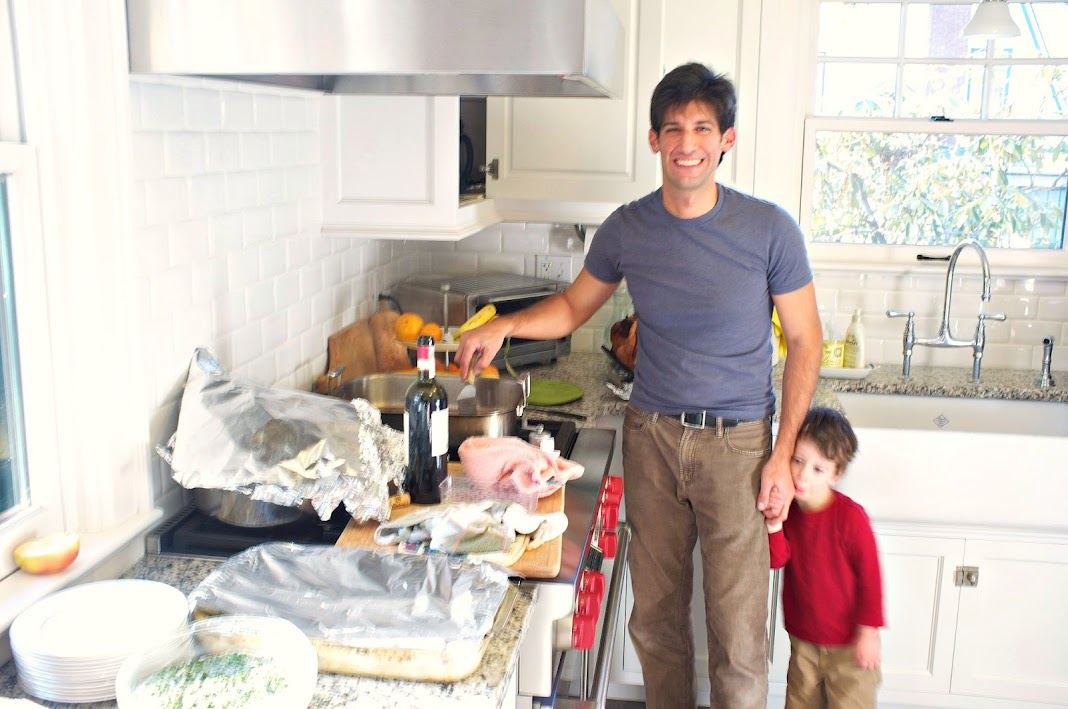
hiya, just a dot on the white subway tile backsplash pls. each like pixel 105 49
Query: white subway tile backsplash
pixel 237 111
pixel 243 268
pixel 203 109
pixel 147 156
pixel 287 290
pixel 1039 286
pixel 273 259
pixel 1053 308
pixel 241 191
pixel 257 225
pixel 207 195
pixel 311 283
pixel 246 344
pixel 223 152
pixel 184 153
pixel 162 107
pixel 226 234
pixel 255 151
pixel 260 299
pixel 268 108
pixel 188 242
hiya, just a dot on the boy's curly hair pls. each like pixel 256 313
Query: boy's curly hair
pixel 832 435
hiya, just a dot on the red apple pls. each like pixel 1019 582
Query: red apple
pixel 48 554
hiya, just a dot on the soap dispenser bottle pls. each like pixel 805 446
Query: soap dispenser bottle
pixel 854 356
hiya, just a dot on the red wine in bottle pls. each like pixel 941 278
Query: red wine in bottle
pixel 426 430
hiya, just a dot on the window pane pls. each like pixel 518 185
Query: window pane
pixel 935 189
pixel 933 31
pixel 855 89
pixel 13 481
pixel 941 90
pixel 849 29
pixel 1027 92
pixel 1043 32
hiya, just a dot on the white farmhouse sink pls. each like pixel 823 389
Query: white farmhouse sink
pixel 943 413
pixel 959 461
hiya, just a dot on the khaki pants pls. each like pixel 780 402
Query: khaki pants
pixel 682 485
pixel 828 677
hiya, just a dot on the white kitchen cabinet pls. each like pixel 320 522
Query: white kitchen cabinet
pixel 1012 628
pixel 576 160
pixel 1001 643
pixel 390 167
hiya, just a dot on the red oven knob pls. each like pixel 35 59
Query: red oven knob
pixel 588 604
pixel 583 631
pixel 592 582
pixel 608 542
pixel 612 489
pixel 609 516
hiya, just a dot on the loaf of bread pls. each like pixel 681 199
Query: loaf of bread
pixel 624 339
pixel 390 355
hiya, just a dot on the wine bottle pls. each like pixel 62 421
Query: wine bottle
pixel 426 430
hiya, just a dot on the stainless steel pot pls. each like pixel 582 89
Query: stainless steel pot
pixel 499 403
pixel 240 510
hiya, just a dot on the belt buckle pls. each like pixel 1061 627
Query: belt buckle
pixel 687 424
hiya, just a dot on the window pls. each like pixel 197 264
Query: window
pixel 29 476
pixel 920 137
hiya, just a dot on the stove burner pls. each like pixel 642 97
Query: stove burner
pixel 192 533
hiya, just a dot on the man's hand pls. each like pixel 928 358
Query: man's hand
pixel 479 346
pixel 776 490
pixel 867 649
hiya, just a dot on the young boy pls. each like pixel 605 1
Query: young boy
pixel 832 589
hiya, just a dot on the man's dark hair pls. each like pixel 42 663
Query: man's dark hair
pixel 694 82
pixel 830 432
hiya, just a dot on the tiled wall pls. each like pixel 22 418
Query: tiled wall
pixel 229 253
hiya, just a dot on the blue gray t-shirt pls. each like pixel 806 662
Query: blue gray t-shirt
pixel 702 290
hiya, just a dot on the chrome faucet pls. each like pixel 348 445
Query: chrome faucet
pixel 945 337
pixel 1046 380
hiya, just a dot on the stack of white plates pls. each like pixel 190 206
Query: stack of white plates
pixel 68 646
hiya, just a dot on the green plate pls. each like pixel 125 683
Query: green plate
pixel 552 392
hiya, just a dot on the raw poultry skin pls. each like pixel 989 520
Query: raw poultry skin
pixel 487 460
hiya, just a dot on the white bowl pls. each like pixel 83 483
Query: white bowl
pixel 267 663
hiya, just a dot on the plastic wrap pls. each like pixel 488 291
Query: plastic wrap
pixel 358 597
pixel 283 446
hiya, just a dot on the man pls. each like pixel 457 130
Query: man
pixel 704 265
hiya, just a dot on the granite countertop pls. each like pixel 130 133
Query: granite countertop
pixel 485 688
pixel 592 371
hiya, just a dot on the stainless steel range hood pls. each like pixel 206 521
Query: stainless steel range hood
pixel 426 47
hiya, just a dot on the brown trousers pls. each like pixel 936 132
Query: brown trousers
pixel 682 485
pixel 828 678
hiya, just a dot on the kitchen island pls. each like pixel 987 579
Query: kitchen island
pixel 491 686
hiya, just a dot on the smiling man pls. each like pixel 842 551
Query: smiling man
pixel 704 266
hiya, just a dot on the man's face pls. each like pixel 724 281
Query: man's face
pixel 690 146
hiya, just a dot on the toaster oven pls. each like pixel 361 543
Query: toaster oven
pixel 450 300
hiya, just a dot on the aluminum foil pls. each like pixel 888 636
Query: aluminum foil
pixel 282 446
pixel 358 597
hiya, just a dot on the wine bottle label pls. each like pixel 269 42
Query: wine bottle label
pixel 439 432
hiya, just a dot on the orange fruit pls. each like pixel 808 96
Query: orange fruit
pixel 491 372
pixel 434 330
pixel 408 326
pixel 453 368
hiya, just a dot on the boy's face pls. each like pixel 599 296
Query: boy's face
pixel 814 476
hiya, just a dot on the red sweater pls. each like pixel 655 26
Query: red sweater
pixel 832 582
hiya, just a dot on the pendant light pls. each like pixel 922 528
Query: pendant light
pixel 992 21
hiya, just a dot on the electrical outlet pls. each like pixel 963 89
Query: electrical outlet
pixel 557 268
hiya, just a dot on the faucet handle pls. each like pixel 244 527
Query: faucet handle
pixel 991 316
pixel 900 313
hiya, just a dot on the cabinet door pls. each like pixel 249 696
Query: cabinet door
pixel 920 607
pixel 391 169
pixel 1013 636
pixel 580 150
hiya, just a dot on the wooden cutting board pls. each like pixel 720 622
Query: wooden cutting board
pixel 540 563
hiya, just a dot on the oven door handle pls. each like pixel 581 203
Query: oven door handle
pixel 599 691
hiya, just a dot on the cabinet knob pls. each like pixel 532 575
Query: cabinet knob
pixel 491 168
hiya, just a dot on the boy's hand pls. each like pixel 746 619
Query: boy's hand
pixel 772 526
pixel 867 648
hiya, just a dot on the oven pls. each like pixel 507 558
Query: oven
pixel 573 611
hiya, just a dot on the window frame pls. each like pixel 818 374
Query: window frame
pixel 1044 259
pixel 897 258
pixel 44 513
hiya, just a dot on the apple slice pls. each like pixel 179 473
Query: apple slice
pixel 48 554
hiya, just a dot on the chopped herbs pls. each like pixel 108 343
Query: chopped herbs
pixel 227 681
